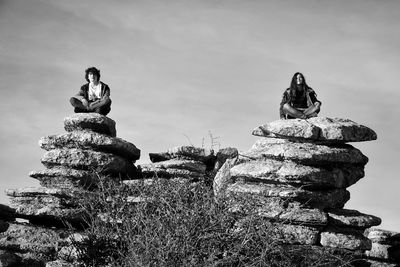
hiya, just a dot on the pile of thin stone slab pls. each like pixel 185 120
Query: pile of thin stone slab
pixel 74 162
pixel 296 177
pixel 182 162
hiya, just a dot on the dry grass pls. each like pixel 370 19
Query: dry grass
pixel 179 224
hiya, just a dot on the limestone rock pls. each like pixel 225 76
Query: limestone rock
pixel 46 206
pixel 289 172
pixel 150 171
pixel 383 236
pixel 303 216
pixel 344 238
pixel 224 154
pixel 352 218
pixel 319 129
pixel 92 141
pixel 372 263
pixel 385 252
pixel 32 242
pixel 283 233
pixel 190 165
pixel 307 153
pixel 36 191
pixel 90 121
pixel 223 178
pixel 278 210
pixel 262 192
pixel 86 159
pixel 295 234
pixel 59 263
pixel 185 152
pixel 62 177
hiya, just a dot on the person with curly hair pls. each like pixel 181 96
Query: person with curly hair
pixel 300 100
pixel 93 96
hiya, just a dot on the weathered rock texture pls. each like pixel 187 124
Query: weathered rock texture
pixel 318 129
pixel 297 175
pixel 73 162
pixel 188 162
pixel 385 245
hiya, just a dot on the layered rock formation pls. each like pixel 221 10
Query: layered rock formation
pixel 73 163
pixel 296 177
pixel 183 162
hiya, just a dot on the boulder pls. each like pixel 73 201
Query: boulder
pixel 344 238
pixel 261 193
pixel 318 129
pixel 90 121
pixel 289 172
pixel 89 160
pixel 352 218
pixel 307 153
pixel 91 141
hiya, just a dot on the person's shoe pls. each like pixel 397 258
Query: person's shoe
pixel 76 103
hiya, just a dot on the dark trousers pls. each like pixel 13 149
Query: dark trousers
pixel 101 108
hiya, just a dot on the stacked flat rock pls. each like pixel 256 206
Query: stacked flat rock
pixel 183 162
pixel 74 161
pixel 385 246
pixel 31 245
pixel 297 174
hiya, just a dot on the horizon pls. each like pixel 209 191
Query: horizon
pixel 180 70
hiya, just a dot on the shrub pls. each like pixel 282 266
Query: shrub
pixel 175 223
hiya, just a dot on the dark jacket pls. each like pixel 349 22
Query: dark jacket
pixel 105 92
pixel 287 98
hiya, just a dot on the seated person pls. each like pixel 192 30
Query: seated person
pixel 93 96
pixel 299 101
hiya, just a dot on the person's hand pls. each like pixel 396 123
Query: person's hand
pixel 85 103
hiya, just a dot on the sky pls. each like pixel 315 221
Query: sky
pixel 203 73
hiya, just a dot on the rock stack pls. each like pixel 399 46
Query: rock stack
pixel 186 163
pixel 183 162
pixel 74 162
pixel 296 176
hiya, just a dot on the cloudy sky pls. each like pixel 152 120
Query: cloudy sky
pixel 180 70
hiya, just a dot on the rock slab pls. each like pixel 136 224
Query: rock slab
pixel 318 129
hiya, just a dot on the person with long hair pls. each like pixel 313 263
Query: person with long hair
pixel 299 100
pixel 94 96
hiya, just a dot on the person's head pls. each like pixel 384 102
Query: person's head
pixel 92 74
pixel 298 80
